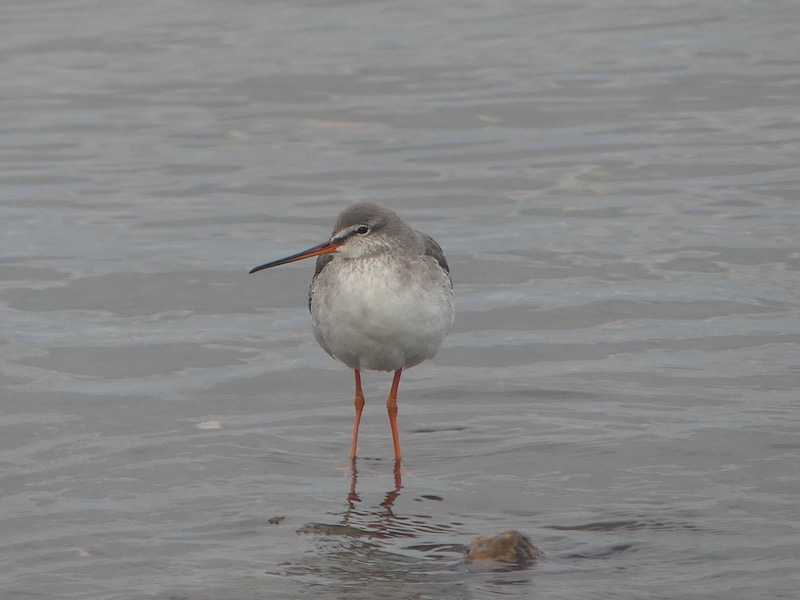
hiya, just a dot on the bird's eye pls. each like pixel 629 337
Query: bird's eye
pixel 362 230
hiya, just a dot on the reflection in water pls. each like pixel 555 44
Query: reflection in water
pixel 373 550
pixel 380 521
pixel 353 497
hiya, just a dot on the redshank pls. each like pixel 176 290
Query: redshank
pixel 381 298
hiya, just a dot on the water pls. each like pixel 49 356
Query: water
pixel 616 190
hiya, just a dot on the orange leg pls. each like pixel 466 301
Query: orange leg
pixel 359 403
pixel 391 409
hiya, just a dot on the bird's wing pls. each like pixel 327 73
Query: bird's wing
pixel 434 250
pixel 322 262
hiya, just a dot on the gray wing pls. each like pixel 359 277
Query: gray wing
pixel 434 250
pixel 322 262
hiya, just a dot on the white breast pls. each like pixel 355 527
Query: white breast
pixel 378 313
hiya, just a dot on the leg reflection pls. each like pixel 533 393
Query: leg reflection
pixel 352 496
pixel 398 477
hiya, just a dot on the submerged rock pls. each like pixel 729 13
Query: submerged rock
pixel 332 530
pixel 511 547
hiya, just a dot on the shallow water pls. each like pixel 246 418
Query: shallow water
pixel 616 191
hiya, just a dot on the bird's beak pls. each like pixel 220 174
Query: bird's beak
pixel 326 248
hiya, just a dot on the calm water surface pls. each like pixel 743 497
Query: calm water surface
pixel 616 187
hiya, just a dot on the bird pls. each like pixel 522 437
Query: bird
pixel 381 299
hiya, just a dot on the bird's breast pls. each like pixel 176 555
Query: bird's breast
pixel 374 313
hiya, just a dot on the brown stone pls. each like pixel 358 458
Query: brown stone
pixel 512 547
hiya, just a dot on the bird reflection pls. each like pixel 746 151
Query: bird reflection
pixel 371 546
pixel 389 499
pixel 381 524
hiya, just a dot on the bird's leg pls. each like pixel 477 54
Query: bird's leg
pixel 391 409
pixel 359 403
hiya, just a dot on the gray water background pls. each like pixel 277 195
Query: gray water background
pixel 615 185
